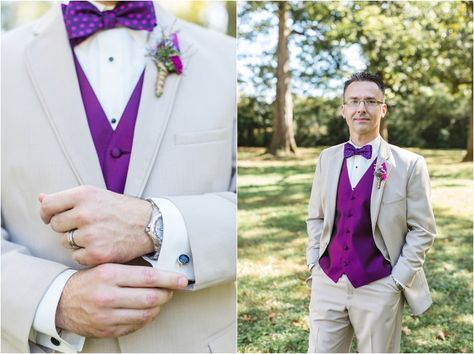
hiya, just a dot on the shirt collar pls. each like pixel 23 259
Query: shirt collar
pixel 375 145
pixel 102 7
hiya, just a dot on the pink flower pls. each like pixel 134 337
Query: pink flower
pixel 178 64
pixel 380 174
pixel 174 40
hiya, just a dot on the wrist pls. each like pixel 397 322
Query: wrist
pixel 143 213
pixel 61 320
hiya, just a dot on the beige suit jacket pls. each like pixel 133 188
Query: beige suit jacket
pixel 182 150
pixel 402 219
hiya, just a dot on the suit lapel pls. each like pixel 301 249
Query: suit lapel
pixel 50 64
pixel 336 162
pixel 154 112
pixel 384 156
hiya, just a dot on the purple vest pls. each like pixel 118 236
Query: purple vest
pixel 352 248
pixel 113 147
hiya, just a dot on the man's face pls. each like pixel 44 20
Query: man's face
pixel 363 119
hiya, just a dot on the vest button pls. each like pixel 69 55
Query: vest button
pixel 346 264
pixel 346 248
pixel 348 231
pixel 349 215
pixel 116 152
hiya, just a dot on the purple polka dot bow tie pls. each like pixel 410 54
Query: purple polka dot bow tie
pixel 83 19
pixel 351 150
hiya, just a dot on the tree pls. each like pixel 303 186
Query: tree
pixel 421 49
pixel 283 139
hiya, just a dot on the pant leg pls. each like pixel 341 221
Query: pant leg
pixel 330 328
pixel 376 311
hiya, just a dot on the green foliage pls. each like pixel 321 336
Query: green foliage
pixel 273 299
pixel 435 119
pixel 423 50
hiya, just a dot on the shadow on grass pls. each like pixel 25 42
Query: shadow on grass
pixel 273 309
pixel 274 321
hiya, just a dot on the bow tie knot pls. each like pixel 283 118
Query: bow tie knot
pixel 351 150
pixel 109 20
pixel 83 19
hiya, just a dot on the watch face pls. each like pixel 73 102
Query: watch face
pixel 158 229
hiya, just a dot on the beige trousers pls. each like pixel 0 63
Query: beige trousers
pixel 337 311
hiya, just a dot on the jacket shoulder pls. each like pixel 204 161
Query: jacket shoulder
pixel 330 151
pixel 210 43
pixel 18 37
pixel 404 155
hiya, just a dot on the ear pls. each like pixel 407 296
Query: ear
pixel 342 111
pixel 384 110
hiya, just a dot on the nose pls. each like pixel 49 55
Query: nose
pixel 361 106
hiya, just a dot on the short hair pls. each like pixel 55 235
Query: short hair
pixel 365 76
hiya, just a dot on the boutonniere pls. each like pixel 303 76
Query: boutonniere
pixel 380 174
pixel 167 57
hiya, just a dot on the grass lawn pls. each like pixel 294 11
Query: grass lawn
pixel 272 296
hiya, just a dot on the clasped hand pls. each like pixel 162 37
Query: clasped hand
pixel 108 300
pixel 109 227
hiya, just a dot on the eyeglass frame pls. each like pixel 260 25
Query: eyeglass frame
pixel 377 102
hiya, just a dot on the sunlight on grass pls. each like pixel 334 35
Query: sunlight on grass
pixel 273 297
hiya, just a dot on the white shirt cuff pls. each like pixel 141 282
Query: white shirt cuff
pixel 175 241
pixel 44 322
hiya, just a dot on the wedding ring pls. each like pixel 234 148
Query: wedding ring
pixel 70 240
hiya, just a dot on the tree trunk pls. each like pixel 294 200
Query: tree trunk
pixel 232 18
pixel 468 156
pixel 283 139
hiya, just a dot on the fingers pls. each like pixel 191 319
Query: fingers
pixel 65 221
pixel 77 238
pixel 52 204
pixel 133 317
pixel 148 277
pixel 55 203
pixel 88 256
pixel 141 298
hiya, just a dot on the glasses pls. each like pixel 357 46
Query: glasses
pixel 369 102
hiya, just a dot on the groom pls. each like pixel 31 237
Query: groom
pixel 117 182
pixel 370 224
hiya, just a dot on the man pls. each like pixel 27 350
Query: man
pixel 370 224
pixel 117 183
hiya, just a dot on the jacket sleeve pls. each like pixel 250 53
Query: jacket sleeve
pixel 420 223
pixel 210 221
pixel 315 219
pixel 25 279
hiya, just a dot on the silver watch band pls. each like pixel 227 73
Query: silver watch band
pixel 154 229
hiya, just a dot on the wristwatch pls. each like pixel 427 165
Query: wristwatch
pixel 154 229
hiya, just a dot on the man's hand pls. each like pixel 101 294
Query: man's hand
pixel 113 300
pixel 109 227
